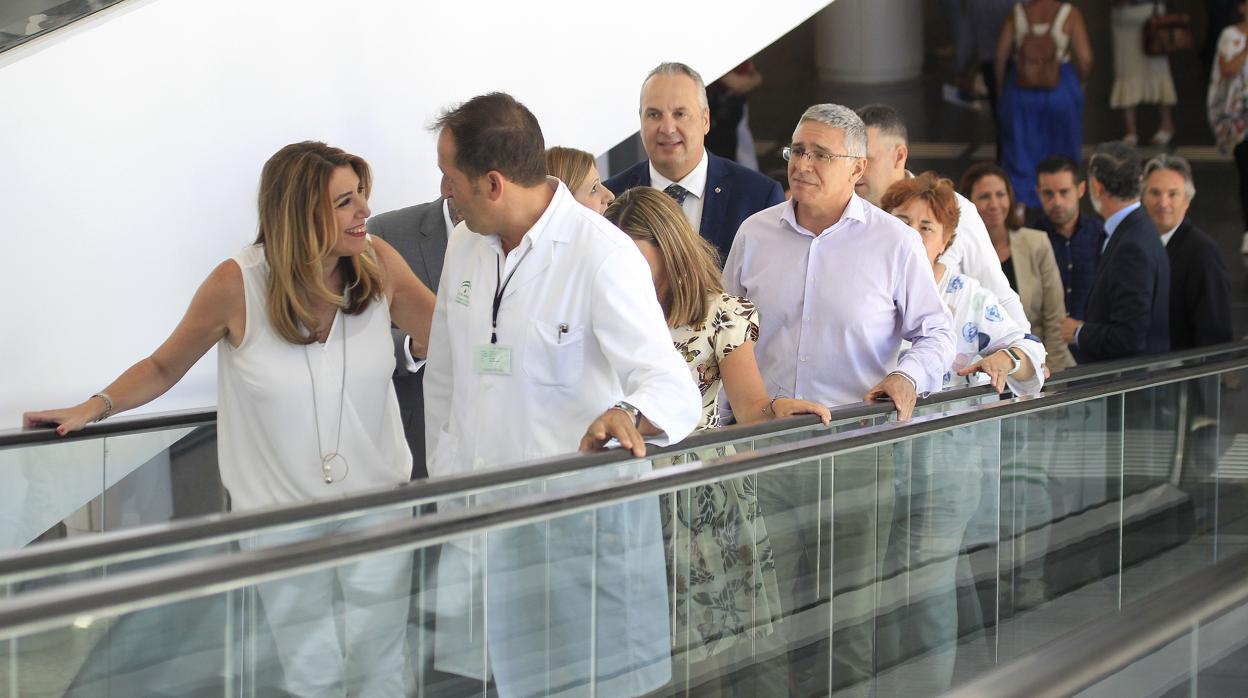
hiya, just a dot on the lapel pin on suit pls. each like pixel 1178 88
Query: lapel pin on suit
pixel 717 190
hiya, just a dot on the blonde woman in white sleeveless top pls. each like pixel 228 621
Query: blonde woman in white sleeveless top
pixel 306 408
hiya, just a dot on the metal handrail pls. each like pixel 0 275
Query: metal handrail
pixel 48 608
pixel 116 546
pixel 118 426
pixel 1095 650
pixel 10 438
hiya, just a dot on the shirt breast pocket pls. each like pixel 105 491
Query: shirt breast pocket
pixel 554 353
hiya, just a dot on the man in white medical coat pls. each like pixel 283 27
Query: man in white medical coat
pixel 547 337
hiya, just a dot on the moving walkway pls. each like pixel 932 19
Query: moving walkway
pixel 1065 507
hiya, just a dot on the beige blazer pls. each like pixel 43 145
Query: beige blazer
pixel 1040 290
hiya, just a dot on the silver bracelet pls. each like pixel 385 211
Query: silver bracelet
pixel 108 406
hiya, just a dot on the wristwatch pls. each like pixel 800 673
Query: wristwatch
pixel 632 412
pixel 1016 356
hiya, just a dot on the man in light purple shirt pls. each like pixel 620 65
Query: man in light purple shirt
pixel 839 284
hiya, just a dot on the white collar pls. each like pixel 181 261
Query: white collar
pixel 446 217
pixel 534 234
pixel 694 182
pixel 1165 237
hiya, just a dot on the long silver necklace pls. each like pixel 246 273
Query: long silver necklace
pixel 327 459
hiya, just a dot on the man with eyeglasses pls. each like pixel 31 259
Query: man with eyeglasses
pixel 839 284
pixel 971 251
pixel 715 193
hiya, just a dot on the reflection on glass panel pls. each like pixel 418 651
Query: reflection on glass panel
pixel 49 491
pixel 1060 517
pixel 22 20
pixel 1231 474
pixel 945 512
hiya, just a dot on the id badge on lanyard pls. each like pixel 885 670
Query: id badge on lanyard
pixel 494 359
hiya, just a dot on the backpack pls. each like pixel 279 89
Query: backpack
pixel 1037 65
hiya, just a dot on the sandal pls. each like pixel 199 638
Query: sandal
pixel 1162 138
pixel 1130 140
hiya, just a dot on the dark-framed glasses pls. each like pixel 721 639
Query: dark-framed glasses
pixel 796 151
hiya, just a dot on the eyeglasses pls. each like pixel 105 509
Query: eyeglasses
pixel 790 152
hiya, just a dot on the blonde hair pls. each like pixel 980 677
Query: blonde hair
pixel 690 262
pixel 570 165
pixel 297 234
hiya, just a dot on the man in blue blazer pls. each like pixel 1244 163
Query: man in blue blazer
pixel 715 193
pixel 1128 309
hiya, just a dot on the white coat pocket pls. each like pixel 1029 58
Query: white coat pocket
pixel 554 353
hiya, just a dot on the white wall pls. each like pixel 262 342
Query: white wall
pixel 132 142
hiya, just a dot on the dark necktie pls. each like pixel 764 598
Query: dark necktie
pixel 677 192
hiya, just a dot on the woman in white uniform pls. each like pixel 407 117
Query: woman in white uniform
pixel 301 320
pixel 939 486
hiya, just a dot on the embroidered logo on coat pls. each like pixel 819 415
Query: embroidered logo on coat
pixel 461 296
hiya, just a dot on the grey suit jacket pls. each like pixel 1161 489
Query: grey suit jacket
pixel 419 234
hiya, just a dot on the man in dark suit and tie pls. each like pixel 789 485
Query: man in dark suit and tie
pixel 1200 288
pixel 1128 309
pixel 715 193
pixel 419 233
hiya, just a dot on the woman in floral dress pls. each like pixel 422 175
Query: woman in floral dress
pixel 723 573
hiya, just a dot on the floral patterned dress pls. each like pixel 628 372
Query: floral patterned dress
pixel 720 559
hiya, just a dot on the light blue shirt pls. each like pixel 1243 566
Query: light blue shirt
pixel 1111 223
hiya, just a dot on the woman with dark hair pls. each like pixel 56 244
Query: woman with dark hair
pixel 1026 257
pixel 306 408
pixel 726 594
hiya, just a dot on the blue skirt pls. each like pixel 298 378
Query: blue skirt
pixel 1037 123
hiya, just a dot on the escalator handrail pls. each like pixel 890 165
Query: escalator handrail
pixel 83 552
pixel 1096 650
pixel 11 438
pixel 88 551
pixel 117 426
pixel 52 607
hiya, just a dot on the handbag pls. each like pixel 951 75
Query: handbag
pixel 1167 32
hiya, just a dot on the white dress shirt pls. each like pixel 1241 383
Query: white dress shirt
pixel 694 183
pixel 834 306
pixel 585 331
pixel 1165 237
pixel 972 254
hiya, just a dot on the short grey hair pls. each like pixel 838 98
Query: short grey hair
pixel 842 119
pixel 673 68
pixel 1174 163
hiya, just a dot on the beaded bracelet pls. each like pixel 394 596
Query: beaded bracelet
pixel 108 406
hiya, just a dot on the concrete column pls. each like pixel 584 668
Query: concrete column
pixel 869 42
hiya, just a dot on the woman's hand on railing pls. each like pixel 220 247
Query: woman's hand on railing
pixel 66 419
